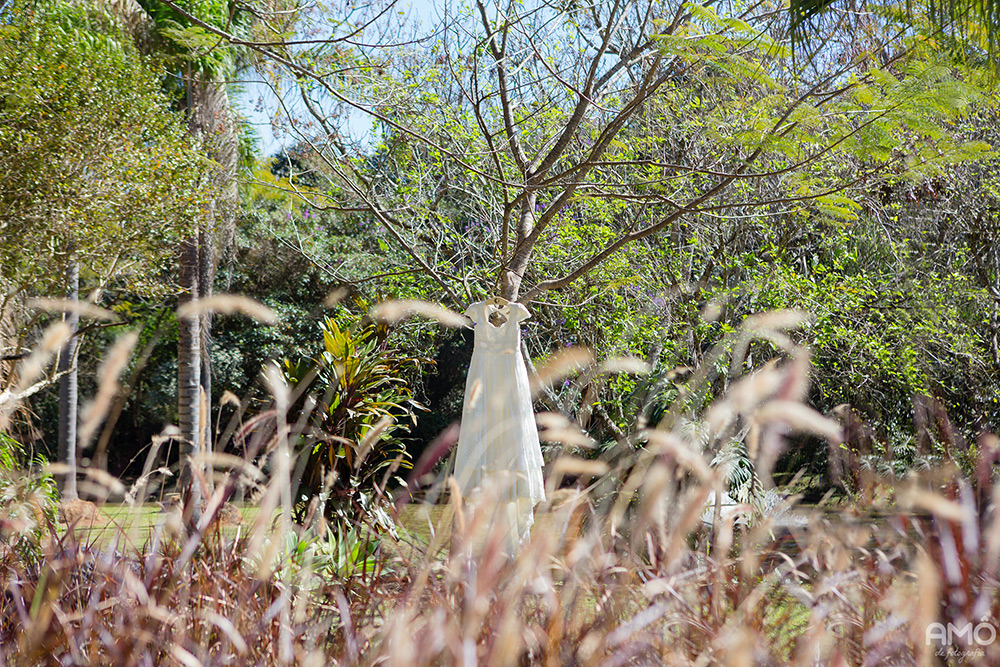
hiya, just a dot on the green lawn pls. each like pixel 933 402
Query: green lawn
pixel 421 528
pixel 134 526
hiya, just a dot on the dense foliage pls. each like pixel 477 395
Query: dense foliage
pixel 93 164
pixel 857 184
pixel 853 183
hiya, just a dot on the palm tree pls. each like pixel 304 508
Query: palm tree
pixel 203 71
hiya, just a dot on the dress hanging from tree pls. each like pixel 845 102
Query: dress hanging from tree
pixel 498 450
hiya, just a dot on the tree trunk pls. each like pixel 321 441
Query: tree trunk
pixel 513 273
pixel 189 367
pixel 68 389
pixel 210 118
pixel 206 276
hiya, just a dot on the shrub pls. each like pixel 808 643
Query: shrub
pixel 357 405
pixel 28 495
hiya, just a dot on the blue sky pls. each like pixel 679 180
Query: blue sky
pixel 258 103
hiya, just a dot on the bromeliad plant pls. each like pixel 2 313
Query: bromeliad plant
pixel 355 405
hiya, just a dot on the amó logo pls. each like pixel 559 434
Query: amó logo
pixel 982 634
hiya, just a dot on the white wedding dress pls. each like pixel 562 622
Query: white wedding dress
pixel 498 453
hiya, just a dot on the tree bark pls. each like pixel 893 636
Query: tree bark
pixel 189 366
pixel 513 273
pixel 68 387
pixel 210 119
pixel 206 276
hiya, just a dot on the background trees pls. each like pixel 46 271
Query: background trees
pixel 625 165
pixel 92 158
pixel 629 117
pixel 97 180
pixel 628 168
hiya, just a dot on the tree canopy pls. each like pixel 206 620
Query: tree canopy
pixel 93 162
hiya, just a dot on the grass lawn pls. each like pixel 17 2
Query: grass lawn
pixel 418 524
pixel 423 529
pixel 135 525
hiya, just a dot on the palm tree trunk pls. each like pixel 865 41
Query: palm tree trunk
pixel 210 118
pixel 206 277
pixel 68 389
pixel 189 367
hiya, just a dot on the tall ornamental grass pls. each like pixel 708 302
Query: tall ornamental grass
pixel 633 559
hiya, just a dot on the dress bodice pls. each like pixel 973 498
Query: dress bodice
pixel 505 337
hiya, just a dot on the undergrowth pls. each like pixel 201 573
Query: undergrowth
pixel 624 565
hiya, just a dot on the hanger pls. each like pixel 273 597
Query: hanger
pixel 496 317
pixel 497 301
